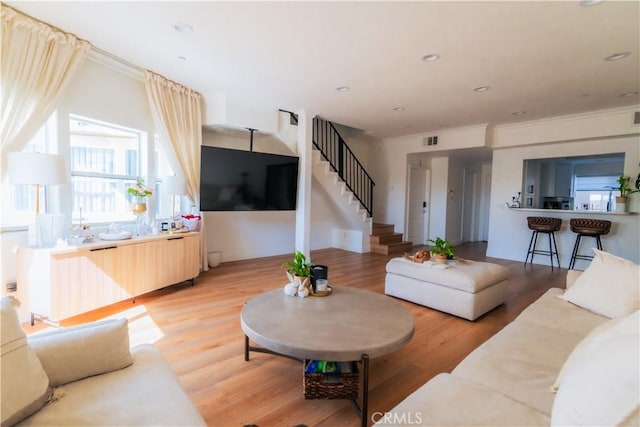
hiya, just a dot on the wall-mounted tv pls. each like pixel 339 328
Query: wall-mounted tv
pixel 237 180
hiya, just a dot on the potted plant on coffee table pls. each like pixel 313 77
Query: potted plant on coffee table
pixel 298 270
pixel 441 250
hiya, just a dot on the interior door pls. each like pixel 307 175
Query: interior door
pixel 418 205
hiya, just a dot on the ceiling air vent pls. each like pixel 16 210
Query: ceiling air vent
pixel 430 140
pixel 636 118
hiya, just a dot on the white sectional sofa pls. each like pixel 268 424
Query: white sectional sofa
pixel 87 376
pixel 571 358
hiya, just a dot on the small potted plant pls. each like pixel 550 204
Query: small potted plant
pixel 140 192
pixel 441 250
pixel 625 191
pixel 298 271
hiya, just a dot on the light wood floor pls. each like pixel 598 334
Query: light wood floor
pixel 198 331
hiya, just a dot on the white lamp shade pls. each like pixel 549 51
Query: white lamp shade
pixel 36 168
pixel 175 185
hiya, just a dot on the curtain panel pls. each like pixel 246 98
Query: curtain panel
pixel 177 114
pixel 37 64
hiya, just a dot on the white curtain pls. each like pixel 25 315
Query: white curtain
pixel 37 63
pixel 177 114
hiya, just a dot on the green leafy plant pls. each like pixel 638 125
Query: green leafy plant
pixel 299 266
pixel 139 190
pixel 442 246
pixel 623 186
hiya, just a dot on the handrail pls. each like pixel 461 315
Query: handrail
pixel 335 150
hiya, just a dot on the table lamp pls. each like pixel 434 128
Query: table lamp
pixel 39 170
pixel 176 186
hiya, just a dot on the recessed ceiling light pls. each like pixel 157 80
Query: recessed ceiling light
pixel 431 57
pixel 617 56
pixel 628 94
pixel 398 109
pixel 587 3
pixel 183 28
pixel 343 89
pixel 481 89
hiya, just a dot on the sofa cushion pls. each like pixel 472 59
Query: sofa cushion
pixel 523 360
pixel 450 401
pixel 147 393
pixel 609 286
pixel 78 352
pixel 556 313
pixel 592 339
pixel 25 386
pixel 602 385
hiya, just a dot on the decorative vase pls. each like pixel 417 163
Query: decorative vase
pixel 621 204
pixel 299 281
pixel 441 258
pixel 139 207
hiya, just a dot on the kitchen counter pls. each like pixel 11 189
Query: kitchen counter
pixel 574 212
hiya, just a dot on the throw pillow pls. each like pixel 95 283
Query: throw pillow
pixel 602 386
pixel 82 351
pixel 595 336
pixel 608 287
pixel 25 386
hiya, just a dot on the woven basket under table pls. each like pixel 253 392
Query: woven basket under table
pixel 331 386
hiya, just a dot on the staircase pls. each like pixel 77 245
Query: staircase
pixel 385 241
pixel 346 181
pixel 342 160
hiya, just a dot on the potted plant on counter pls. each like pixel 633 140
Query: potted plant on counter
pixel 625 191
pixel 441 250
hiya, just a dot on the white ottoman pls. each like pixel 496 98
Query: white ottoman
pixel 467 289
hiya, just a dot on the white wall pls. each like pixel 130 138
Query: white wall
pixel 388 159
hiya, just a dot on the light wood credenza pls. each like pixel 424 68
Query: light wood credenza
pixel 57 283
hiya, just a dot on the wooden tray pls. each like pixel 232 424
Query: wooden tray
pixel 322 294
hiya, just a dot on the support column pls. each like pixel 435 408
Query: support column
pixel 303 206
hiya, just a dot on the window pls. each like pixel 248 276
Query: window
pixel 105 160
pixel 594 193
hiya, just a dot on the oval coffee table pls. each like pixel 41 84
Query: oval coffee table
pixel 351 324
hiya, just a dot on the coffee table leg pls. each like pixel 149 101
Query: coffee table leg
pixel 246 348
pixel 363 411
pixel 365 390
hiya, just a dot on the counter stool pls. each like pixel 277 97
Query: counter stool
pixel 589 228
pixel 548 226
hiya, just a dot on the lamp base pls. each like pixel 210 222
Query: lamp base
pixel 50 228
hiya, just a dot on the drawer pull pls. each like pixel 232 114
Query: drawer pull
pixel 103 249
pixel 175 238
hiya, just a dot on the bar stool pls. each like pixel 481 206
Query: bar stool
pixel 548 226
pixel 587 227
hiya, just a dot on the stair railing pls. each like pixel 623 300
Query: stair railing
pixel 342 160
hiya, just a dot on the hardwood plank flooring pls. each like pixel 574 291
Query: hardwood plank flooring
pixel 197 329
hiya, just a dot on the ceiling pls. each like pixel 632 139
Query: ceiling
pixel 539 59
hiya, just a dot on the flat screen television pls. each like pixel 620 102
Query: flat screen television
pixel 237 180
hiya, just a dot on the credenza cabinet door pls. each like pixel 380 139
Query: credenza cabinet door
pixel 177 255
pixel 88 280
